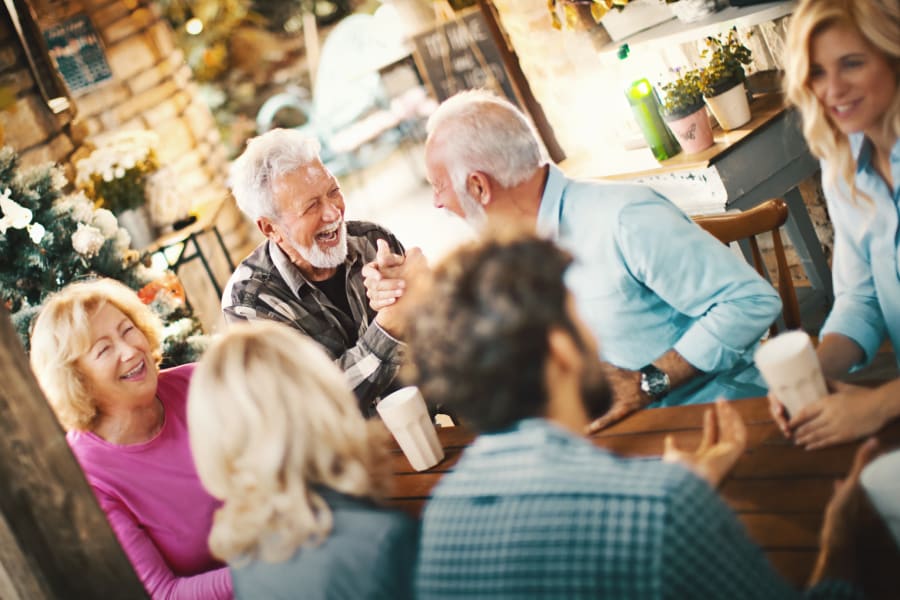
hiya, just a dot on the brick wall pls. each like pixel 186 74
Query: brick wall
pixel 151 88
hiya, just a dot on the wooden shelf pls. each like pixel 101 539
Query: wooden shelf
pixel 633 164
pixel 674 31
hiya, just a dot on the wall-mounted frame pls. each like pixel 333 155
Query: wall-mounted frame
pixel 77 51
pixel 48 80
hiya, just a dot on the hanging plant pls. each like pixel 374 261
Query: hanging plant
pixel 598 8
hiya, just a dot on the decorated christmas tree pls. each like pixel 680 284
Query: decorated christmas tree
pixel 49 239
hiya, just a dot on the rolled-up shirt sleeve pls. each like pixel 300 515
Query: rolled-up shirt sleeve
pixel 856 313
pixel 700 277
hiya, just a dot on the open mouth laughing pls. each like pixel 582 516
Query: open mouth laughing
pixel 136 373
pixel 329 235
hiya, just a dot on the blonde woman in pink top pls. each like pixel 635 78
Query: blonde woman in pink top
pixel 95 351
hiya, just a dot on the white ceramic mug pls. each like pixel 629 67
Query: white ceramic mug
pixel 790 367
pixel 406 416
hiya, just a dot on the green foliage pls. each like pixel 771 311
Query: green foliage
pixel 124 193
pixel 48 239
pixel 726 59
pixel 682 96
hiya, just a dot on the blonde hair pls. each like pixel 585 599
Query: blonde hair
pixel 878 23
pixel 271 418
pixel 62 335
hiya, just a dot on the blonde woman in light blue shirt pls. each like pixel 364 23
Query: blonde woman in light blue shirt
pixel 842 73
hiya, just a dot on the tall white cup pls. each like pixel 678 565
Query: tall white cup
pixel 406 416
pixel 789 365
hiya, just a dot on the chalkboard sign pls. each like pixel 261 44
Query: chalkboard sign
pixel 78 54
pixel 461 55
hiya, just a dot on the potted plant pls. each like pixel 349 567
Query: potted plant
pixel 691 11
pixel 685 112
pixel 723 79
pixel 114 176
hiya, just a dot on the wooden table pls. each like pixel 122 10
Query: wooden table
pixel 766 158
pixel 778 490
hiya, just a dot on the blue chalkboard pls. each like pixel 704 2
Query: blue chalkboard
pixel 78 53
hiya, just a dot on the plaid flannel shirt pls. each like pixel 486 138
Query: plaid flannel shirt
pixel 266 285
pixel 535 512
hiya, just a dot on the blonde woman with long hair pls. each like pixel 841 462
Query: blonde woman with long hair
pixel 95 352
pixel 842 73
pixel 277 436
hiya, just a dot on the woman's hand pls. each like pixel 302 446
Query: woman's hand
pixel 779 415
pixel 848 413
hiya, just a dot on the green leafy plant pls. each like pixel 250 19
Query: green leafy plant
pixel 114 174
pixel 726 59
pixel 683 95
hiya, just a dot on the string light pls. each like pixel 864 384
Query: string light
pixel 193 26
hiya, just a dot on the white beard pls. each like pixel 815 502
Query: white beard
pixel 475 214
pixel 324 259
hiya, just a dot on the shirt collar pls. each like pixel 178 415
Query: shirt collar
pixel 550 211
pixel 861 149
pixel 531 433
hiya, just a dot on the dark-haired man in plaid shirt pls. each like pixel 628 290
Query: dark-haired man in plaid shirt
pixel 307 274
pixel 533 509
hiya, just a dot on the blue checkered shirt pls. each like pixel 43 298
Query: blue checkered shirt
pixel 535 512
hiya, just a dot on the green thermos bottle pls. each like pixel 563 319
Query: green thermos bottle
pixel 645 107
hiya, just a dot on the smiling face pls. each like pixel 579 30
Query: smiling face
pixel 853 81
pixel 118 366
pixel 309 226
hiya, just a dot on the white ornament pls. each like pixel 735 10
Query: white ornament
pixel 36 231
pixel 105 221
pixel 14 214
pixel 87 240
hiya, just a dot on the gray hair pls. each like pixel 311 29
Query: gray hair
pixel 266 158
pixel 480 131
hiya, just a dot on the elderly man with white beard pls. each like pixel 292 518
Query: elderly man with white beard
pixel 307 273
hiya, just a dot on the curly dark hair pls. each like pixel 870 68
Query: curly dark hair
pixel 478 344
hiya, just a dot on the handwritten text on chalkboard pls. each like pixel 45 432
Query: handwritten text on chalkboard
pixel 462 55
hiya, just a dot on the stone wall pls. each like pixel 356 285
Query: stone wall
pixel 151 88
pixel 25 122
pixel 579 81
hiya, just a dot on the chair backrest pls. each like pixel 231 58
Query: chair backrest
pixel 746 225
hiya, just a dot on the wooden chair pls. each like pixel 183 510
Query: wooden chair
pixel 745 226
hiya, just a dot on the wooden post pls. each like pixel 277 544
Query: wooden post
pixel 55 541
pixel 511 62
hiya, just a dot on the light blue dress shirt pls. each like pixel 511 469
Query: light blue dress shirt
pixel 865 267
pixel 647 279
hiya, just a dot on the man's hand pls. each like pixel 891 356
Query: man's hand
pixel 627 397
pixel 383 277
pixel 837 557
pixel 386 279
pixel 724 439
pixel 850 412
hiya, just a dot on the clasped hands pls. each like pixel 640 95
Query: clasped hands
pixel 386 279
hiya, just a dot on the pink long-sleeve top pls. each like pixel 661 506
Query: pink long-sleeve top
pixel 153 499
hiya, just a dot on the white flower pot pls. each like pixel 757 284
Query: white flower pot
pixel 730 108
pixel 690 11
pixel 136 222
pixel 638 15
